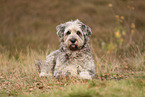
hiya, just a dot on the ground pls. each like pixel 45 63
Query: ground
pixel 27 33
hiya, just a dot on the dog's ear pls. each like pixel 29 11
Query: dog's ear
pixel 60 30
pixel 86 29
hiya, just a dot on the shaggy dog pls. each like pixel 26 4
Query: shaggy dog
pixel 74 58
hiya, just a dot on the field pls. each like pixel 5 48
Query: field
pixel 28 33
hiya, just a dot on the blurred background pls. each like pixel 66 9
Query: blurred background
pixel 118 26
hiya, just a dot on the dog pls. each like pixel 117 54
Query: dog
pixel 74 57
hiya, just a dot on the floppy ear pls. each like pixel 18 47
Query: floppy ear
pixel 89 32
pixel 86 29
pixel 60 30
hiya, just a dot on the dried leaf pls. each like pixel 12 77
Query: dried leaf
pixel 41 87
pixel 37 83
pixel 1 77
pixel 31 89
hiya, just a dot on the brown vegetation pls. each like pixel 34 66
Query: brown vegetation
pixel 27 32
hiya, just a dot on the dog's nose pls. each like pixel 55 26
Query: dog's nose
pixel 73 40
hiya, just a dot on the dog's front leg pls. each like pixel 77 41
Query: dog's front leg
pixel 85 75
pixel 49 64
pixel 42 67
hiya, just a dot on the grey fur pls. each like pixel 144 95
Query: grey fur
pixel 66 62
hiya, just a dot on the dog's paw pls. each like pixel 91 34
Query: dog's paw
pixel 85 75
pixel 43 74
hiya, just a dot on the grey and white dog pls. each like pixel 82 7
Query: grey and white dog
pixel 74 58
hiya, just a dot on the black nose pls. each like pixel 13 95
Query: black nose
pixel 73 40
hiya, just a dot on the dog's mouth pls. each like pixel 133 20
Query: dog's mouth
pixel 73 47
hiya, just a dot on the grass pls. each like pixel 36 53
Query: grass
pixel 19 77
pixel 124 88
pixel 27 33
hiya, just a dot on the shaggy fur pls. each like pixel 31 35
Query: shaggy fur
pixel 74 57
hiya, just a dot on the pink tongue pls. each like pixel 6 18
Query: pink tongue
pixel 73 46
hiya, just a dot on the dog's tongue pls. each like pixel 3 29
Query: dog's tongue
pixel 73 47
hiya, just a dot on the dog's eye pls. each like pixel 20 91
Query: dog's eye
pixel 78 33
pixel 68 32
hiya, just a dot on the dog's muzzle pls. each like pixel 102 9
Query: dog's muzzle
pixel 73 45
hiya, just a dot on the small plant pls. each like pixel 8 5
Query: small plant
pixel 124 29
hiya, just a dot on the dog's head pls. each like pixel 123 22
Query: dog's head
pixel 74 34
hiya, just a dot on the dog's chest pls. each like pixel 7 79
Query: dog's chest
pixel 72 63
pixel 75 60
pixel 69 63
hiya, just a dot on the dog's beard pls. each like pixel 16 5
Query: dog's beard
pixel 73 47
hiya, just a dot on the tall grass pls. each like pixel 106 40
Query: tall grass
pixel 19 76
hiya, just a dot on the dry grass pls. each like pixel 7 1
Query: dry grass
pixel 27 33
pixel 19 77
